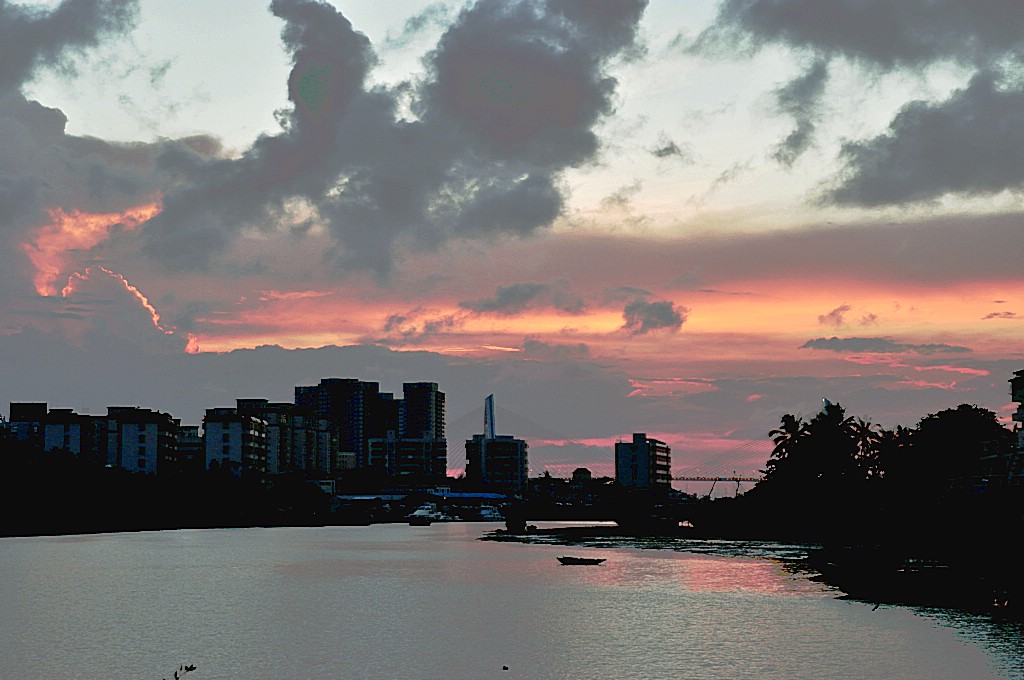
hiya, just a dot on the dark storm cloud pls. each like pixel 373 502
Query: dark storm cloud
pixel 799 99
pixel 32 39
pixel 643 317
pixel 510 99
pixel 880 346
pixel 920 157
pixel 972 144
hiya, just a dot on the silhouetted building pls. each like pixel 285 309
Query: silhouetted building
pixel 496 463
pixel 136 439
pixel 643 463
pixel 422 460
pixel 69 431
pixel 357 411
pixel 421 413
pixel 26 421
pixel 418 450
pixel 235 441
pixel 189 458
pixel 1017 395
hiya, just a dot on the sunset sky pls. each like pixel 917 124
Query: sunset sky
pixel 681 218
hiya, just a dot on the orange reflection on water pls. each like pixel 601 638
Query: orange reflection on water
pixel 692 572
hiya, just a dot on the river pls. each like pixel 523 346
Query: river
pixel 394 601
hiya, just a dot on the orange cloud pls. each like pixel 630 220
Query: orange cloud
pixel 75 230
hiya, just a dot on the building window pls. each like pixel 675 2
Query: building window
pixel 142 439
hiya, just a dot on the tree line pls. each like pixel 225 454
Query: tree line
pixel 953 479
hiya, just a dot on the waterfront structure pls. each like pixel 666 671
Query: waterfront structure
pixel 643 463
pixel 496 463
pixel 235 441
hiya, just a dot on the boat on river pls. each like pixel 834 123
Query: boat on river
pixel 581 560
pixel 427 514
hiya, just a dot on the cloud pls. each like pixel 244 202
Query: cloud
pixel 33 39
pixel 517 297
pixel 885 35
pixel 835 318
pixel 880 346
pixel 432 16
pixel 1001 315
pixel 970 144
pixel 510 299
pixel 510 100
pixel 800 99
pixel 667 148
pixel 643 317
pixel 538 349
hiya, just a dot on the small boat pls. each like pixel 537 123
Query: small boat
pixel 581 560
pixel 426 514
pixel 489 513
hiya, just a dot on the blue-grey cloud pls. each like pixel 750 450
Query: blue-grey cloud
pixel 881 346
pixel 517 297
pixel 970 144
pixel 799 98
pixel 511 97
pixel 643 317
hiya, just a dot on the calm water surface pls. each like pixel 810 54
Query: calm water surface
pixel 393 601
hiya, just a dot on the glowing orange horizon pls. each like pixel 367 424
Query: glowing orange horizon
pixel 75 230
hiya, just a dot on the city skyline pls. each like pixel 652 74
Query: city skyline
pixel 617 218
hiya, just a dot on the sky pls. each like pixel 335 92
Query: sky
pixel 684 219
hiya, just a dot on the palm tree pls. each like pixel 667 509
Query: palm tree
pixel 787 439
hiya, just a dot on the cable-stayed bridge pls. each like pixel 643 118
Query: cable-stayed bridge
pixel 729 469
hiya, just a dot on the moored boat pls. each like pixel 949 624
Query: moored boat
pixel 581 560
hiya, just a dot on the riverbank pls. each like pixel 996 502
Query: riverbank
pixel 975 582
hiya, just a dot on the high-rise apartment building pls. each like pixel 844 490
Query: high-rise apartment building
pixel 643 463
pixel 356 410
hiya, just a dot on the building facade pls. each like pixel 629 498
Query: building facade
pixel 137 439
pixel 499 464
pixel 235 441
pixel 643 463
